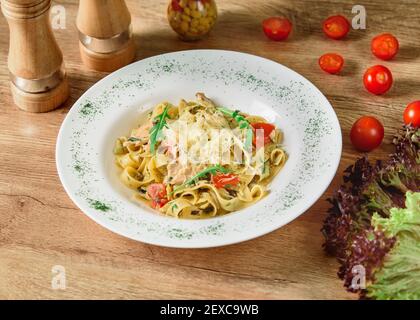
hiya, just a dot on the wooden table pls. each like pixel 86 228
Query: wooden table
pixel 40 227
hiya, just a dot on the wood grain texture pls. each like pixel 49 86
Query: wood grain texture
pixel 41 227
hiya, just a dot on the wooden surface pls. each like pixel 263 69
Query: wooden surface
pixel 40 227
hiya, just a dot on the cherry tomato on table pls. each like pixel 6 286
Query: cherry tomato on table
pixel 267 127
pixel 367 133
pixel 336 27
pixel 412 114
pixel 331 63
pixel 157 191
pixel 385 46
pixel 222 180
pixel 378 79
pixel 277 28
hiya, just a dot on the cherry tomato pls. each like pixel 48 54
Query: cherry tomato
pixel 331 63
pixel 157 191
pixel 336 27
pixel 267 127
pixel 385 46
pixel 412 114
pixel 366 133
pixel 223 179
pixel 277 28
pixel 378 79
pixel 176 6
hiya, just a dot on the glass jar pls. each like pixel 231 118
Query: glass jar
pixel 192 19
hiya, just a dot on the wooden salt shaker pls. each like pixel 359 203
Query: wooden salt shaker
pixel 105 38
pixel 38 78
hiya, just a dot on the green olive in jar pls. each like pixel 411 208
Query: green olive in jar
pixel 192 19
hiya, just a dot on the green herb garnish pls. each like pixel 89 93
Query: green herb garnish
pixel 158 124
pixel 133 139
pixel 195 178
pixel 98 205
pixel 243 124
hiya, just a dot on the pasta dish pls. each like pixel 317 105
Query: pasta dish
pixel 199 160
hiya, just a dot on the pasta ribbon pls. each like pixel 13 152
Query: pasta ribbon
pixel 216 142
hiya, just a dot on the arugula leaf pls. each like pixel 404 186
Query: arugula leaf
pixel 158 124
pixel 133 139
pixel 203 173
pixel 243 124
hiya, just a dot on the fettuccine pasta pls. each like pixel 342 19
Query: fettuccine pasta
pixel 198 160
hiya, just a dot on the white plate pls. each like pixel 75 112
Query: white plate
pixel 252 84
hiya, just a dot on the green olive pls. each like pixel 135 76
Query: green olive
pixel 192 19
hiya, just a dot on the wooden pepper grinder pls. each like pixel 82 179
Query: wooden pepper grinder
pixel 38 79
pixel 105 38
